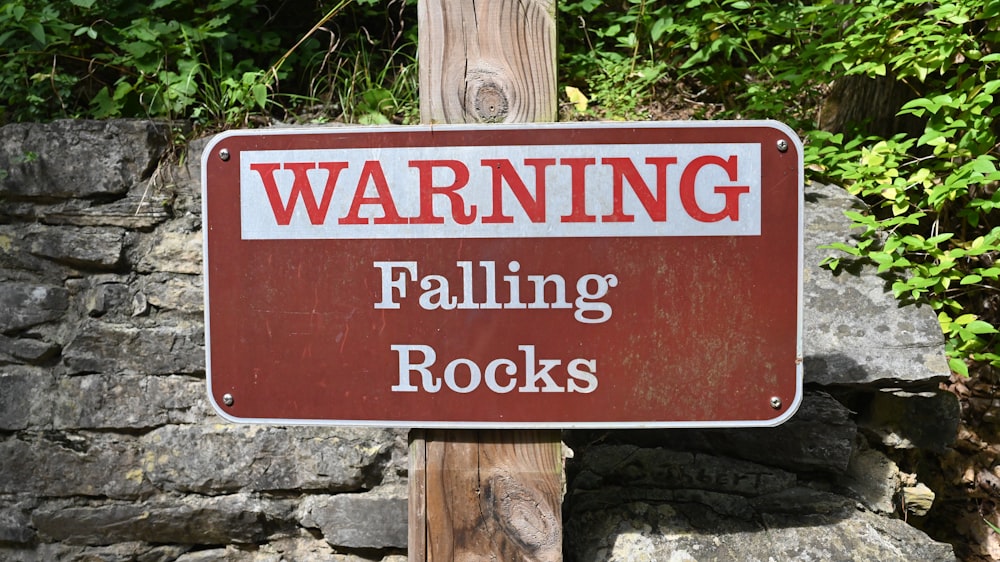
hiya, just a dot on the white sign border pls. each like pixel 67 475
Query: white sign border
pixel 210 152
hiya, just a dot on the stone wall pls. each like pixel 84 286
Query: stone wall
pixel 108 447
pixel 109 450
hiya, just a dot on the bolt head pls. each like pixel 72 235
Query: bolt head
pixel 227 399
pixel 782 145
pixel 775 402
pixel 224 155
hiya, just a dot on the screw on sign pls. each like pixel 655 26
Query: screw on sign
pixel 558 275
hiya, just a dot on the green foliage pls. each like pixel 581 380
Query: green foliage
pixel 374 95
pixel 69 59
pixel 610 59
pixel 215 62
pixel 732 53
pixel 933 225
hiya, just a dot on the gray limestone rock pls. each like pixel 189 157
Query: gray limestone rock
pixel 854 331
pixel 174 248
pixel 874 480
pixel 286 549
pixel 102 296
pixel 92 247
pixel 183 179
pixel 124 401
pixel 23 305
pixel 819 437
pixel 26 350
pixel 15 406
pixel 371 520
pixel 106 347
pixel 184 293
pixel 131 551
pixel 890 413
pixel 22 392
pixel 78 159
pixel 918 499
pixel 139 210
pixel 840 532
pixel 648 468
pixel 223 459
pixel 15 525
pixel 57 464
pixel 240 518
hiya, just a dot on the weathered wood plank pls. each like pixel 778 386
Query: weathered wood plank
pixel 487 61
pixel 492 495
pixel 486 495
pixel 417 502
pixel 520 495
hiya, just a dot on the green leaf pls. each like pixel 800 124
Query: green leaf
pixel 991 273
pixel 985 165
pixel 660 27
pixel 932 138
pixel 916 107
pixel 884 260
pixel 980 327
pixel 958 19
pixel 259 93
pixel 846 248
pixel 959 366
pixel 898 288
pixel 37 31
pixel 965 319
pixel 373 119
pixel 139 49
pixel 934 241
pixel 856 217
pixel 102 104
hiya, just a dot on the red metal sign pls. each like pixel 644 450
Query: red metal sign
pixel 558 275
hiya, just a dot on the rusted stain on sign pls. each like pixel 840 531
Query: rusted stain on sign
pixel 567 275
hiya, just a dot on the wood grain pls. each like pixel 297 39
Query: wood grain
pixel 491 495
pixel 487 61
pixel 416 539
pixel 486 495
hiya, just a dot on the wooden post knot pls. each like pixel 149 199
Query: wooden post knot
pixel 491 104
pixel 485 89
pixel 525 517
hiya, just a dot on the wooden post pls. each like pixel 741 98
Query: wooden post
pixel 486 495
pixel 487 61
